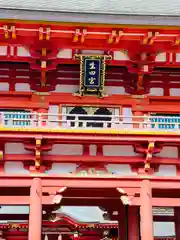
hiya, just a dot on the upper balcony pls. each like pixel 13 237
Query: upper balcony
pixel 35 121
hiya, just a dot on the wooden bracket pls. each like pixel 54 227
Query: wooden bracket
pixel 151 41
pixel 177 41
pixel 112 36
pixel 48 31
pixel 13 30
pixel 119 36
pixel 150 37
pixel 115 36
pixel 147 37
pixel 140 81
pixel 6 31
pixel 149 153
pixel 125 198
pixel 58 195
pixel 41 32
pixel 76 35
pixel 44 52
pixel 38 153
pixel 84 33
pixel 2 157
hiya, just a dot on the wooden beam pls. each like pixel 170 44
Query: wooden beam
pixel 22 100
pixel 99 136
pixel 6 217
pixel 90 159
pixel 160 202
pixel 90 181
pixel 87 201
pixel 22 200
pixel 35 211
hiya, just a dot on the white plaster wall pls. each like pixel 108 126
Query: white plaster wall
pixel 114 90
pixel 121 169
pixel 63 88
pixel 4 86
pixel 174 92
pixel 89 51
pixel 120 55
pixel 66 149
pixel 156 92
pixel 118 150
pixel 65 53
pixel 15 168
pixel 53 119
pixel 3 50
pixel 22 87
pixel 161 57
pixel 168 152
pixel 166 171
pixel 15 148
pixel 23 52
pixel 177 57
pixel 71 149
pixel 62 168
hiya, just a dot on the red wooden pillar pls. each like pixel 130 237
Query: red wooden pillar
pixel 43 116
pixel 146 214
pixel 122 225
pixel 177 222
pixel 136 119
pixel 133 223
pixel 35 214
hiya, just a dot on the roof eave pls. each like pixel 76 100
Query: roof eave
pixel 91 18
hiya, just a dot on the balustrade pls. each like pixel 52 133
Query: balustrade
pixel 55 121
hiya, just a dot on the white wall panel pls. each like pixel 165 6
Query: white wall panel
pixel 171 152
pixel 174 92
pixel 23 52
pixel 156 92
pixel 120 55
pixel 118 150
pixel 89 51
pixel 177 57
pixel 65 53
pixel 121 169
pixel 22 87
pixel 3 50
pixel 161 57
pixel 15 148
pixel 4 86
pixel 166 171
pixel 109 90
pixel 62 168
pixel 15 168
pixel 63 88
pixel 66 149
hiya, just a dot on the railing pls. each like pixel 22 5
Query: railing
pixel 38 120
